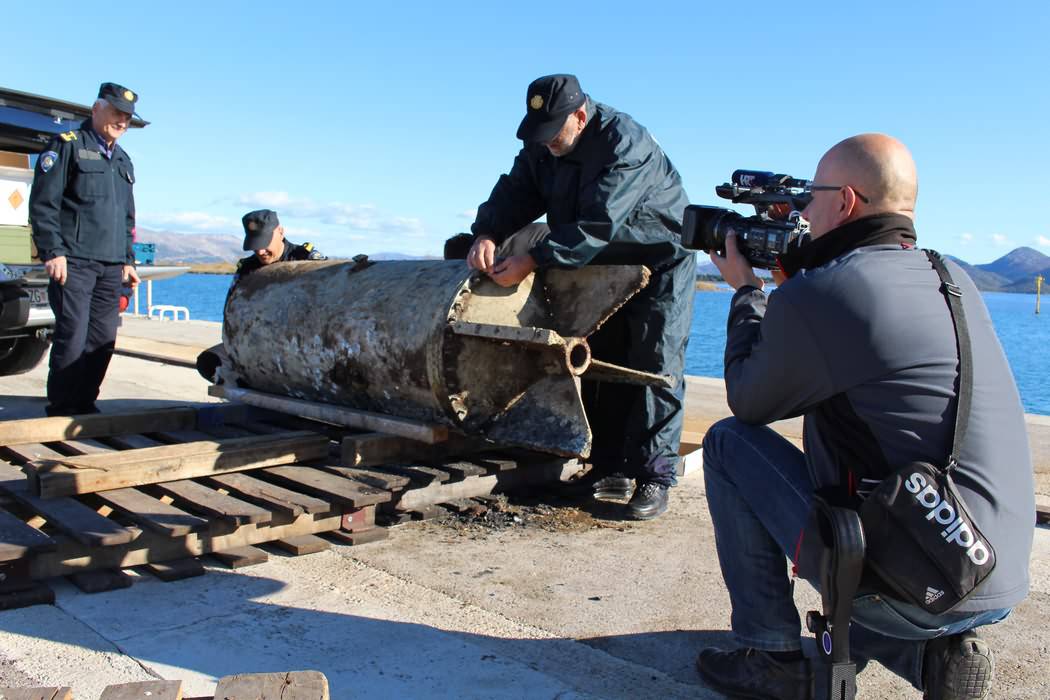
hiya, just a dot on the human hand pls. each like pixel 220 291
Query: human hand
pixel 56 269
pixel 131 275
pixel 512 270
pixel 735 268
pixel 482 254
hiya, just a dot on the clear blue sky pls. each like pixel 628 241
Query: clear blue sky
pixel 380 126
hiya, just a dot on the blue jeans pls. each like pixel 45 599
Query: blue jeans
pixel 759 492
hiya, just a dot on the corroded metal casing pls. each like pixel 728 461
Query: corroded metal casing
pixel 430 340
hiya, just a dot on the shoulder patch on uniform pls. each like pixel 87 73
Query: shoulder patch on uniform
pixel 47 160
pixel 68 136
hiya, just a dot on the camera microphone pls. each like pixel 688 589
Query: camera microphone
pixel 765 179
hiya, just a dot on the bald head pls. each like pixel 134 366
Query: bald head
pixel 880 167
pixel 877 168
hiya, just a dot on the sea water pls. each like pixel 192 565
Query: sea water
pixel 1025 336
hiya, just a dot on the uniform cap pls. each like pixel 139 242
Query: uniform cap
pixel 548 101
pixel 259 226
pixel 119 96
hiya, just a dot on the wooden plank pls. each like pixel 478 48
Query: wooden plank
pixel 496 463
pixel 36 694
pixel 71 557
pixel 226 432
pixel 372 449
pixel 180 436
pixel 140 507
pixel 66 514
pixel 391 518
pixel 276 498
pixel 101 580
pixel 153 690
pixel 339 415
pixel 283 421
pixel 199 497
pixel 175 569
pixel 240 557
pixel 51 478
pixel 375 534
pixel 133 442
pixel 415 499
pixel 15 432
pixel 417 473
pixel 330 487
pixel 153 514
pixel 427 512
pixel 17 539
pixel 360 519
pixel 303 544
pixel 464 469
pixel 297 685
pixel 372 477
pixel 217 505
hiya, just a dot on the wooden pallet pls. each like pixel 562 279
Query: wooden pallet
pixel 297 685
pixel 76 525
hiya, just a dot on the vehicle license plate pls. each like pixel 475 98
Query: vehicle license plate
pixel 37 296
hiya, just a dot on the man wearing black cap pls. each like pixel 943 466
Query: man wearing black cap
pixel 83 219
pixel 264 234
pixel 611 196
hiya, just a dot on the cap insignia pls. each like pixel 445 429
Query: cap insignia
pixel 129 95
pixel 536 102
pixel 252 225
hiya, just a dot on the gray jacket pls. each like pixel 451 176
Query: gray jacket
pixel 863 346
pixel 616 199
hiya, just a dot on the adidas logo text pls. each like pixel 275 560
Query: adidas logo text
pixel 957 530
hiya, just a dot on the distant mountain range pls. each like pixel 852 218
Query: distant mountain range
pixel 199 248
pixel 1014 272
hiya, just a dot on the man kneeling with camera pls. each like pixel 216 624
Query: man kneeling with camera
pixel 861 339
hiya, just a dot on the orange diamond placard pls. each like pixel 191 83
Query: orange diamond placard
pixel 16 199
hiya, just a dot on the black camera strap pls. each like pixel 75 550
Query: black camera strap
pixel 962 338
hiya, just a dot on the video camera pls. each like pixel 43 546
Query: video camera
pixel 776 228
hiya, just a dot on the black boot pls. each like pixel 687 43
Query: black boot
pixel 649 501
pixel 615 486
pixel 750 673
pixel 959 667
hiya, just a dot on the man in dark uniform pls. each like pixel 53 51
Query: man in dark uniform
pixel 264 234
pixel 83 218
pixel 611 197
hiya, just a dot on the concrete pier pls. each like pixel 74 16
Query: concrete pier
pixel 586 606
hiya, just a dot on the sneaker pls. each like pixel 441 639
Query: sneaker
pixel 614 486
pixel 750 673
pixel 649 501
pixel 959 667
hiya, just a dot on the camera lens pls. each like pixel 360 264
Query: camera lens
pixel 705 228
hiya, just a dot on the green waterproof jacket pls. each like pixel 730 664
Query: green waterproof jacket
pixel 81 203
pixel 615 199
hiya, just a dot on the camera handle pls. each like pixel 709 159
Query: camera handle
pixel 842 562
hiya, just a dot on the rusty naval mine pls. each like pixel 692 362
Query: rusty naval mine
pixel 433 341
